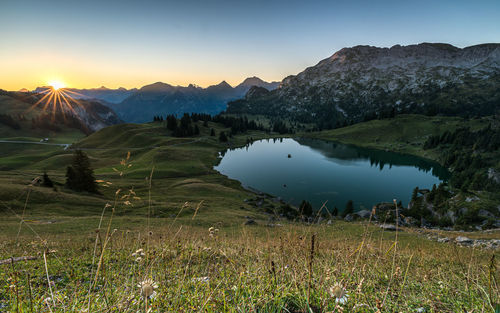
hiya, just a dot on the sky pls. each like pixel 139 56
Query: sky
pixel 129 44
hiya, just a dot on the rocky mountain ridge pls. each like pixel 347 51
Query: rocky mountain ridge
pixel 365 81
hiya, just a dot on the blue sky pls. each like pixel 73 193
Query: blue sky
pixel 132 43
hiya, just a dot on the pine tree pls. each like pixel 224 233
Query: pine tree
pixel 349 208
pixel 80 176
pixel 306 208
pixel 335 211
pixel 46 181
pixel 414 195
pixel 222 137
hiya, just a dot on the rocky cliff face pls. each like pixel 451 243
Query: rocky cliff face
pixel 354 82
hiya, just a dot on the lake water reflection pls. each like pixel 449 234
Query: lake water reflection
pixel 318 171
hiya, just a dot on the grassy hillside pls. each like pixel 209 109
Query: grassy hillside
pixel 16 108
pixel 181 170
pixel 405 133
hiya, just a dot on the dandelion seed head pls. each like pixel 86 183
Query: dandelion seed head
pixel 148 287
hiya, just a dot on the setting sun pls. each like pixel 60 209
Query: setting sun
pixel 57 84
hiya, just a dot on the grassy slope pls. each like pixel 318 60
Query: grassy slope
pixel 183 173
pixel 15 107
pixel 405 133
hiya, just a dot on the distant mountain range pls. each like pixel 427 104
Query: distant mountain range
pixel 162 99
pixel 140 105
pixel 105 94
pixel 367 82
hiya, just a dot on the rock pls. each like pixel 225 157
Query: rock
pixel 485 214
pixel 349 218
pixel 451 215
pixel 410 221
pixel 330 222
pixel 443 239
pixel 494 175
pixel 472 199
pixel 465 241
pixel 250 222
pixel 274 225
pixel 363 214
pixel 389 227
pixel 424 223
pixel 463 211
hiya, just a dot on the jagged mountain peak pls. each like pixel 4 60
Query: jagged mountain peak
pixel 252 81
pixel 157 87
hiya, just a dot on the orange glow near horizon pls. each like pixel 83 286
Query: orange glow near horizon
pixel 56 84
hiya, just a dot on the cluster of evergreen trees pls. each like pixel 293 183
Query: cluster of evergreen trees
pixel 9 121
pixel 486 139
pixel 183 127
pixel 187 124
pixel 280 127
pixel 466 152
pixel 53 120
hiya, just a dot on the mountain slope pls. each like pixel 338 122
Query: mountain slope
pixel 364 82
pixel 20 113
pixel 162 99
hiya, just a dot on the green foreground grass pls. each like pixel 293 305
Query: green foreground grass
pixel 229 268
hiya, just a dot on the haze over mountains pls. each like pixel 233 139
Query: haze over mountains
pixel 364 82
pixel 140 105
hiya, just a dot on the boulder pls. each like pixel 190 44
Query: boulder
pixel 349 218
pixel 250 222
pixel 465 241
pixel 409 221
pixel 389 227
pixel 363 213
pixel 485 214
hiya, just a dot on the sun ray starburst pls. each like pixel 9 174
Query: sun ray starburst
pixel 56 99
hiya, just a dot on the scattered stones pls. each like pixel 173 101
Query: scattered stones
pixel 492 244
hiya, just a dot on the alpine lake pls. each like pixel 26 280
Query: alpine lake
pixel 329 173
